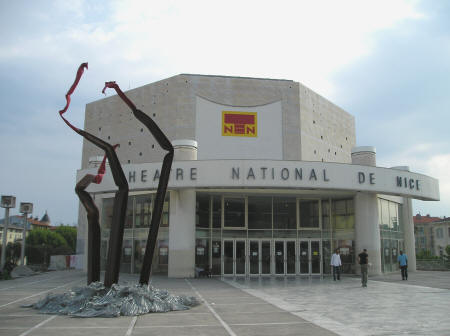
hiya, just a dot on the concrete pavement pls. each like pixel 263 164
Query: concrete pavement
pixel 388 306
pixel 249 306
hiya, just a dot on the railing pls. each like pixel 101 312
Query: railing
pixel 433 264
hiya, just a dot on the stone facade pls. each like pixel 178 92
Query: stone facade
pixel 313 128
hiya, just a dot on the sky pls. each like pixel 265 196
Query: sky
pixel 385 62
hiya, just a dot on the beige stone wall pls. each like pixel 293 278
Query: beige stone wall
pixel 309 122
pixel 167 102
pixel 327 131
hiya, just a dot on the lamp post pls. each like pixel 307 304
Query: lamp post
pixel 7 202
pixel 25 208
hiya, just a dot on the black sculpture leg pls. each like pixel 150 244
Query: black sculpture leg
pixel 156 219
pixel 160 194
pixel 93 258
pixel 116 238
pixel 164 142
pixel 119 211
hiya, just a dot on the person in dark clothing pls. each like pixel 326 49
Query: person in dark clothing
pixel 363 259
pixel 403 263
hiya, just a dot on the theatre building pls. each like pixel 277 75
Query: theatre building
pixel 267 180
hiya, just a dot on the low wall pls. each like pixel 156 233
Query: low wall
pixel 433 265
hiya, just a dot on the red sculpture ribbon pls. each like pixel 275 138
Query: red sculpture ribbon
pixel 101 170
pixel 113 85
pixel 69 93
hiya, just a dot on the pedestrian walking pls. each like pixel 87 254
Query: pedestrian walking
pixel 336 264
pixel 363 260
pixel 403 263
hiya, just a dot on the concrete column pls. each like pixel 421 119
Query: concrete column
pixel 182 219
pixel 184 150
pixel 364 156
pixel 408 228
pixel 182 234
pixel 367 231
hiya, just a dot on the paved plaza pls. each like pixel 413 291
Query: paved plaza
pixel 248 306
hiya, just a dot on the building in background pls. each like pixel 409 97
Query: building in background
pixel 266 181
pixel 15 233
pixel 15 226
pixel 432 234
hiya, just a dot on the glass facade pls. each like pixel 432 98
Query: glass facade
pixel 257 235
pixel 137 224
pixel 343 232
pixel 391 233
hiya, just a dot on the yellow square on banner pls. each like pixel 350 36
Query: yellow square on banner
pixel 235 123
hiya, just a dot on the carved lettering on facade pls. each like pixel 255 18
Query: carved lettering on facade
pixel 404 182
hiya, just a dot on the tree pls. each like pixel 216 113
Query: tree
pixel 447 250
pixel 13 251
pixel 70 235
pixel 41 244
pixel 425 254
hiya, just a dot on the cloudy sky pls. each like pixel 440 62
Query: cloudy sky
pixel 385 62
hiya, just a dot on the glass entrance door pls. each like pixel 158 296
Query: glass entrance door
pixel 234 257
pixel 284 256
pixel 240 257
pixel 304 257
pixel 254 257
pixel 259 257
pixel 228 257
pixel 315 257
pixel 265 257
pixel 310 257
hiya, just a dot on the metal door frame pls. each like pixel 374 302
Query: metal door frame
pixel 284 240
pixel 234 240
pixel 309 240
pixel 258 241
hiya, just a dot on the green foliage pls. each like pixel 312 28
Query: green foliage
pixel 47 237
pixel 426 255
pixel 447 250
pixel 13 251
pixel 70 235
pixel 42 243
pixel 5 275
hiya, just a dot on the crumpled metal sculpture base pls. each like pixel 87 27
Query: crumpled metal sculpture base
pixel 96 300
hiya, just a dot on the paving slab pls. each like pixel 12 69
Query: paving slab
pixel 78 332
pixel 314 306
pixel 181 331
pixel 294 329
pixel 12 331
pixel 386 307
pixel 176 320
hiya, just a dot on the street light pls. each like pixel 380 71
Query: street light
pixel 25 208
pixel 7 202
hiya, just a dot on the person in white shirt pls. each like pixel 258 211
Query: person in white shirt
pixel 336 264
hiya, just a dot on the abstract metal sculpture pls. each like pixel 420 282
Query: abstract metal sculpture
pixel 120 198
pixel 164 142
pixel 111 299
pixel 93 259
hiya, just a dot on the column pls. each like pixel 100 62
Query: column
pixel 182 234
pixel 367 231
pixel 182 219
pixel 408 228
